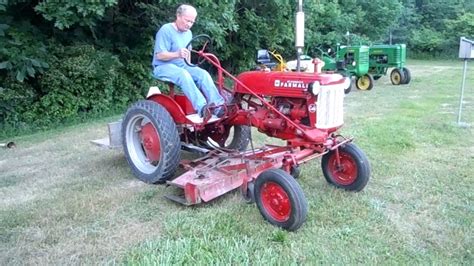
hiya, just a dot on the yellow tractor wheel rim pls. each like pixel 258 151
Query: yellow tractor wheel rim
pixel 363 83
pixel 396 78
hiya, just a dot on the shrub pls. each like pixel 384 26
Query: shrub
pixel 80 80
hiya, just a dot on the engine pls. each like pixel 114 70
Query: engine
pixel 291 102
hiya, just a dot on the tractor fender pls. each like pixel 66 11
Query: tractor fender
pixel 171 106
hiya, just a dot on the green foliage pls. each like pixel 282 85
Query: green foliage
pixel 426 40
pixel 80 80
pixel 16 99
pixel 22 52
pixel 462 25
pixel 68 13
pixel 377 18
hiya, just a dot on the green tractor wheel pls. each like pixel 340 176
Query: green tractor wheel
pixel 407 73
pixel 365 82
pixel 397 76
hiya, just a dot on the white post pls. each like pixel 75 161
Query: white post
pixel 462 94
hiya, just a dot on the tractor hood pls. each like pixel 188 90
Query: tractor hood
pixel 289 84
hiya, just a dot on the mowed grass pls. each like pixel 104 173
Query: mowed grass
pixel 65 201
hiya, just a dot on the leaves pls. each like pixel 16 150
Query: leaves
pixel 66 14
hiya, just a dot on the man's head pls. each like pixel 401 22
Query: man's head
pixel 185 17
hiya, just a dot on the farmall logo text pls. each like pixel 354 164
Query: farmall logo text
pixel 290 84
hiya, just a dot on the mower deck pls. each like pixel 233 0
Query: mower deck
pixel 220 172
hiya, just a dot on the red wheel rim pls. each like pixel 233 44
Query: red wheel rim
pixel 276 201
pixel 151 142
pixel 346 173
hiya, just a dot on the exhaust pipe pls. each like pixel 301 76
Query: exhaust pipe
pixel 299 38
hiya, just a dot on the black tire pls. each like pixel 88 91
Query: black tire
pixel 249 197
pixel 151 142
pixel 407 73
pixel 295 171
pixel 348 89
pixel 280 199
pixel 397 76
pixel 355 172
pixel 365 82
pixel 239 140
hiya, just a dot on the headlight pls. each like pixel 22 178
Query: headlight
pixel 353 63
pixel 314 87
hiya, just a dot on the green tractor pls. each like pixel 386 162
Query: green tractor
pixel 351 61
pixel 384 56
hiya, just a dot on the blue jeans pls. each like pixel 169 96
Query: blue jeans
pixel 190 79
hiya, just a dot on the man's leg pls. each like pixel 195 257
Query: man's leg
pixel 184 80
pixel 206 84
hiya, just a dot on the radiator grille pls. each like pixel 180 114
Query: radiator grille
pixel 330 103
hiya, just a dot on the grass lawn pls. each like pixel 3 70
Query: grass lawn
pixel 65 201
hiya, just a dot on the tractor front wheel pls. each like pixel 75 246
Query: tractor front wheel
pixel 407 73
pixel 365 82
pixel 280 199
pixel 397 76
pixel 151 142
pixel 349 88
pixel 346 168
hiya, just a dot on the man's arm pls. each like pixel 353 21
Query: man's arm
pixel 166 56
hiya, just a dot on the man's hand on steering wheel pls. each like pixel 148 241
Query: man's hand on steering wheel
pixel 184 53
pixel 207 42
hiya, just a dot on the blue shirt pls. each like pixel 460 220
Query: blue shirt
pixel 169 39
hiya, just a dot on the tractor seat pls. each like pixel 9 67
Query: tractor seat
pixel 263 58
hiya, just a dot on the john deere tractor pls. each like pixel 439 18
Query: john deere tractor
pixel 348 60
pixel 351 61
pixel 384 56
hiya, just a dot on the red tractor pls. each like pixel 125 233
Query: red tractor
pixel 304 109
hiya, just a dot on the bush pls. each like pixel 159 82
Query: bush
pixel 15 104
pixel 82 82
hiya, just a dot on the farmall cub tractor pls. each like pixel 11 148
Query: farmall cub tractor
pixel 304 109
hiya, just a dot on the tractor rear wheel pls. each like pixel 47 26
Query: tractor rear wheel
pixel 407 73
pixel 365 82
pixel 280 199
pixel 151 142
pixel 351 171
pixel 397 76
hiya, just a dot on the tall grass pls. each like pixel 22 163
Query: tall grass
pixel 66 201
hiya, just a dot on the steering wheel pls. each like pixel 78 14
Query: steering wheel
pixel 206 42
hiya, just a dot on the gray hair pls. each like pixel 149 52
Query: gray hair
pixel 183 9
